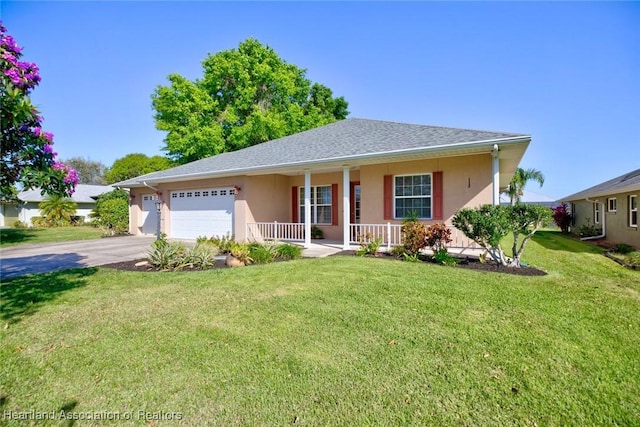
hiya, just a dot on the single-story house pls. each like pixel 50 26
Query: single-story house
pixel 612 206
pixel 346 178
pixel 85 197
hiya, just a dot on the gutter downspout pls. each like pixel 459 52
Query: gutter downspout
pixel 495 166
pixel 603 223
pixel 153 188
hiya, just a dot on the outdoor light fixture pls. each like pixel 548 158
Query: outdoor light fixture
pixel 158 209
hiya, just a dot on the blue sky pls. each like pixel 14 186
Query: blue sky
pixel 566 73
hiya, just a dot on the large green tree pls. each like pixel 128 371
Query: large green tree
pixel 89 171
pixel 133 165
pixel 519 180
pixel 247 96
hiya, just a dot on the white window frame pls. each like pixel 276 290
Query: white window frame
pixel 612 205
pixel 633 210
pixel 315 205
pixel 596 213
pixel 430 196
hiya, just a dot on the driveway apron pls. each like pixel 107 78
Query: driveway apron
pixel 42 258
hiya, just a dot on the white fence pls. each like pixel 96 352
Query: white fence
pixel 391 234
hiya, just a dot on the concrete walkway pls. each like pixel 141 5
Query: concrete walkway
pixel 44 257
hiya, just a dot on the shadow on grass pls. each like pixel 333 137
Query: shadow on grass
pixel 37 264
pixel 556 241
pixel 23 296
pixel 16 235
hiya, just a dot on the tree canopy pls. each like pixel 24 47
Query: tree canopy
pixel 247 96
pixel 89 171
pixel 133 165
pixel 26 154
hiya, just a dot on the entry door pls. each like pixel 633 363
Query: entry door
pixel 355 208
pixel 149 214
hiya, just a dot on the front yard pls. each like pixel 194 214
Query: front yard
pixel 332 341
pixel 18 236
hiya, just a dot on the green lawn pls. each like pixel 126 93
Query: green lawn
pixel 333 341
pixel 18 236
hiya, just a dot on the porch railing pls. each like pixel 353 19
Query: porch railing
pixel 391 233
pixel 260 231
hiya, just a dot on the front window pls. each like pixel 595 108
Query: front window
pixel 596 213
pixel 633 211
pixel 412 194
pixel 612 204
pixel 320 204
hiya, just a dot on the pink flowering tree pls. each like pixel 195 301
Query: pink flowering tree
pixel 27 155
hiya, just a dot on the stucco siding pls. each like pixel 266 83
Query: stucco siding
pixel 466 182
pixel 617 228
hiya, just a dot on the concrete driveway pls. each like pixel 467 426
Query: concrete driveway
pixel 41 258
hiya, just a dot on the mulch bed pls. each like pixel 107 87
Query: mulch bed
pixel 468 263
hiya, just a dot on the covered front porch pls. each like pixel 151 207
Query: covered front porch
pixel 390 234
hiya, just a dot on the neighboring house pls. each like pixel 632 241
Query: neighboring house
pixel 612 206
pixel 347 177
pixel 85 197
pixel 530 198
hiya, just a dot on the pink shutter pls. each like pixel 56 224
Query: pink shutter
pixel 295 207
pixel 388 197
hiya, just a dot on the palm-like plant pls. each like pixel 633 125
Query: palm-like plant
pixel 57 210
pixel 520 179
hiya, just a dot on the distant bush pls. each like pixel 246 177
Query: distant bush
pixel 623 248
pixel 19 224
pixel 561 217
pixel 114 217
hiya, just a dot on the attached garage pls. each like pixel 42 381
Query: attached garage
pixel 201 212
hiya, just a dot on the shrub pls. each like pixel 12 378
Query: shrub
pixel 224 243
pixel 623 248
pixel 114 216
pixel 19 224
pixel 437 236
pixel 262 253
pixel 201 256
pixel 561 217
pixel 316 233
pixel 443 257
pixel 488 225
pixel 368 245
pixel 397 251
pixel 588 230
pixel 288 251
pixel 241 252
pixel 166 255
pixel 414 236
pixel 633 258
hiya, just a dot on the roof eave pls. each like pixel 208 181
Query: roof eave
pixel 481 146
pixel 602 193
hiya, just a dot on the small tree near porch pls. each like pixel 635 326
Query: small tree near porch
pixel 489 225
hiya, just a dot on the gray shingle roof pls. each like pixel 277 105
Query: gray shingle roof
pixel 345 139
pixel 630 181
pixel 84 193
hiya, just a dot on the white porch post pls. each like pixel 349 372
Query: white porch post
pixel 496 174
pixel 307 208
pixel 346 208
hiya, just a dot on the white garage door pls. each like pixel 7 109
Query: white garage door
pixel 149 214
pixel 202 212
